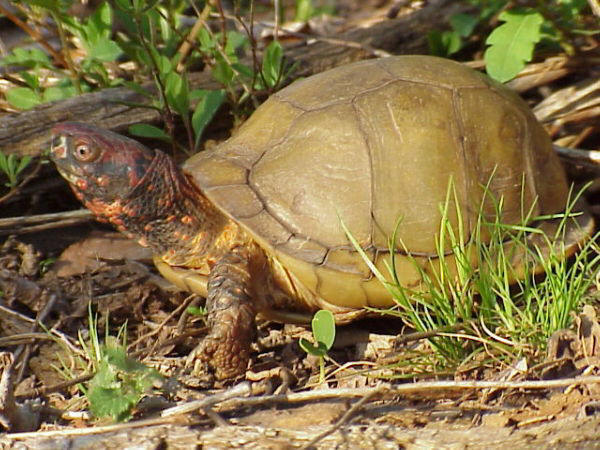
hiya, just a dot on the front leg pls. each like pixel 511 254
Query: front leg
pixel 231 315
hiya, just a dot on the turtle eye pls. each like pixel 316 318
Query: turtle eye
pixel 84 153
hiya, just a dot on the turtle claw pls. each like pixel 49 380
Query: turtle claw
pixel 226 360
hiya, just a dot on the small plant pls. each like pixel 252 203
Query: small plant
pixel 46 264
pixel 199 311
pixel 447 43
pixel 306 9
pixel 323 328
pixel 33 93
pixel 555 24
pixel 156 38
pixel 12 167
pixel 220 51
pixel 511 45
pixel 119 381
pixel 71 77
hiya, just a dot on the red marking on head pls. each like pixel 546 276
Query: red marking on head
pixel 81 184
pixel 103 180
pixel 187 220
pixel 98 207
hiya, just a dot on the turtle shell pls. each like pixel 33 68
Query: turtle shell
pixel 378 145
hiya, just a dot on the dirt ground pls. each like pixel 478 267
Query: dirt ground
pixel 370 399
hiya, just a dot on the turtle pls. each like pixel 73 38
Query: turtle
pixel 258 224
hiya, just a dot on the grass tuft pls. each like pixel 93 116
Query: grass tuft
pixel 489 296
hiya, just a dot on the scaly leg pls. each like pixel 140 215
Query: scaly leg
pixel 230 316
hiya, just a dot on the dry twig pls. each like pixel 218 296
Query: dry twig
pixel 39 222
pixel 239 390
pixel 409 388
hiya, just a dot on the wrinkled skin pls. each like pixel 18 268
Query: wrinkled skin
pixel 145 195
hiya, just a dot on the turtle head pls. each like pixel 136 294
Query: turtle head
pixel 101 166
pixel 140 191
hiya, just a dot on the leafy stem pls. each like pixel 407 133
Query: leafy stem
pixel 166 110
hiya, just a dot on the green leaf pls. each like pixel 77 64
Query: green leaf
pixel 272 63
pixel 101 21
pixel 148 131
pixel 23 98
pixel 23 163
pixel 117 357
pixel 221 71
pixel 118 384
pixel 164 64
pixel 205 110
pixel 199 311
pixel 176 91
pixel 51 5
pixel 316 350
pixel 167 32
pixel 489 8
pixel 104 49
pixel 106 394
pixel 243 69
pixel 571 9
pixel 323 327
pixel 207 43
pixel 149 5
pixel 143 57
pixel 12 166
pixel 96 32
pixel 3 162
pixel 37 55
pixel 124 5
pixel 512 44
pixel 235 41
pixel 110 403
pixel 32 80
pixel 304 10
pixel 58 93
pixel 463 24
pixel 443 43
pixel 31 58
pixel 139 5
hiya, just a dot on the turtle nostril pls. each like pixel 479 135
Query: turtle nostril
pixel 58 148
pixel 55 141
